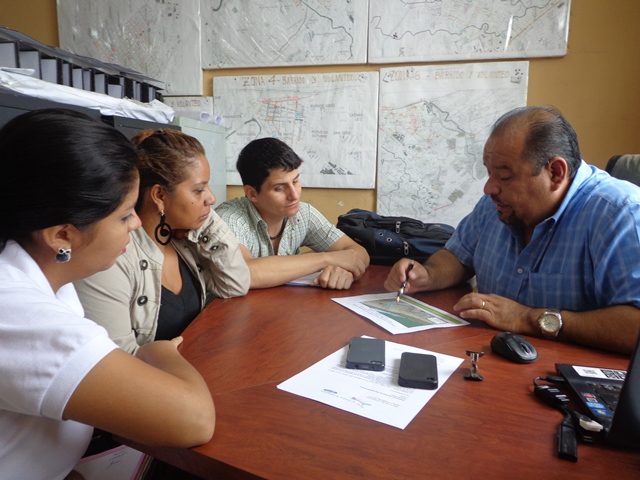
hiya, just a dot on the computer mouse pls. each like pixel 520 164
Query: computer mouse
pixel 513 347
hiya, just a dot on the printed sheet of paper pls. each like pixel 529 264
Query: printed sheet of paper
pixel 159 39
pixel 121 462
pixel 306 281
pixel 429 113
pixel 329 119
pixel 374 395
pixel 453 30
pixel 406 316
pixel 269 33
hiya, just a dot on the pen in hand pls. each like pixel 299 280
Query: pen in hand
pixel 404 284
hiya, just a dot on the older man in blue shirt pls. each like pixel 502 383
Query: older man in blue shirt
pixel 554 243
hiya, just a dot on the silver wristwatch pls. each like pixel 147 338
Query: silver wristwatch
pixel 550 322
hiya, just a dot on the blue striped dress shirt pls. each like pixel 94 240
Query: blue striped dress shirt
pixel 585 256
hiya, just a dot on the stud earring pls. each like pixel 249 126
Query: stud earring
pixel 63 255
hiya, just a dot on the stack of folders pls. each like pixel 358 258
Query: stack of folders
pixel 55 65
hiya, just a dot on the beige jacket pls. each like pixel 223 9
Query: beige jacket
pixel 125 299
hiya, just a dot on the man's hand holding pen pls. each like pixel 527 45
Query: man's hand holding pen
pixel 441 270
pixel 402 273
pixel 403 285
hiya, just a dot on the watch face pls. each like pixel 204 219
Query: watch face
pixel 550 323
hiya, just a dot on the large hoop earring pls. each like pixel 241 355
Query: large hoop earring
pixel 63 255
pixel 163 229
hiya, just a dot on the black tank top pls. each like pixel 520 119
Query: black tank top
pixel 177 311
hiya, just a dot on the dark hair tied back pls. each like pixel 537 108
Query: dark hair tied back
pixel 165 157
pixel 61 166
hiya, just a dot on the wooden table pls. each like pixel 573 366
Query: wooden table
pixel 244 347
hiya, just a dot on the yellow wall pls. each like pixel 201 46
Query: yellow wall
pixel 36 18
pixel 595 85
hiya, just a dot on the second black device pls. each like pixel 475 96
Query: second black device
pixel 418 370
pixel 366 354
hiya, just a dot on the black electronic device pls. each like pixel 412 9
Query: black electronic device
pixel 551 395
pixel 567 439
pixel 366 354
pixel 611 397
pixel 513 347
pixel 418 370
pixel 567 434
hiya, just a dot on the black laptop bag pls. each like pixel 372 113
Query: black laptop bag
pixel 387 239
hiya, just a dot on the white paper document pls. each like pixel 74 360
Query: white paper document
pixel 374 395
pixel 306 281
pixel 121 462
pixel 406 316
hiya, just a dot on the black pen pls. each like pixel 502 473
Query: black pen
pixel 404 284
